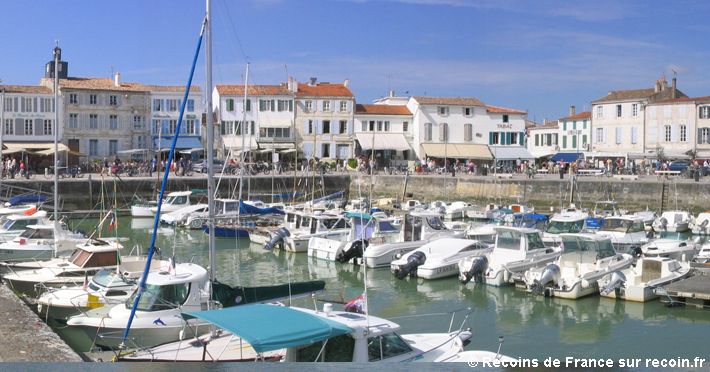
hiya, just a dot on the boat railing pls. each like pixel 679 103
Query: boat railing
pixel 452 313
pixel 452 335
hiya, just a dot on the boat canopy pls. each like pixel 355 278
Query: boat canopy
pixel 567 157
pixel 245 208
pixel 25 199
pixel 270 327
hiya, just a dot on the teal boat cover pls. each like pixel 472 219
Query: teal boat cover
pixel 272 327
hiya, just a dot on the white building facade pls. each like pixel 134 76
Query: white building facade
pixel 386 129
pixel 27 116
pixel 575 132
pixel 165 103
pixel 543 140
pixel 671 125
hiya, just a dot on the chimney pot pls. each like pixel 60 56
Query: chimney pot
pixel 572 110
pixel 673 89
pixel 312 81
pixel 346 83
pixel 391 93
pixel 117 79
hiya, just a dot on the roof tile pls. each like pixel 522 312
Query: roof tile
pixel 254 90
pixel 450 101
pixel 503 110
pixel 34 89
pixel 382 110
pixel 323 90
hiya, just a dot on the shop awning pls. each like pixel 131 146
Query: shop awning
pixel 542 154
pixel 182 143
pixel 567 157
pixel 276 145
pixel 132 151
pixel 457 151
pixel 34 147
pixel 234 143
pixel 383 141
pixel 511 153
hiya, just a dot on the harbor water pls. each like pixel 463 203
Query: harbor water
pixel 532 327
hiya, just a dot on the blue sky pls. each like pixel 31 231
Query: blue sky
pixel 541 56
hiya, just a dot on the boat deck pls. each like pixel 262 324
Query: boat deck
pixel 695 290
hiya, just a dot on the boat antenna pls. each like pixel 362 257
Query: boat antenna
pixel 166 173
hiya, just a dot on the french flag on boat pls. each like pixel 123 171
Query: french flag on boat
pixel 171 265
pixel 114 222
pixel 357 305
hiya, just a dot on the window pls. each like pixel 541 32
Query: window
pixel 618 111
pixel 157 105
pixel 73 98
pixel 113 122
pixel 634 135
pixel 308 106
pixel 113 100
pixel 326 105
pixel 564 142
pixel 506 119
pixel 29 127
pixel 343 106
pixel 372 125
pixel 161 297
pixel 405 126
pixel 494 138
pixel 47 129
pixel 326 127
pixel 363 126
pixel 667 130
pixel 172 126
pixel 325 150
pixel 427 131
pixel 618 135
pixel 112 147
pixel 703 135
pixel 386 346
pixel 537 139
pixel 379 125
pixel 584 124
pixel 443 132
pixel 282 105
pixel 584 140
pixel 467 111
pixel 137 122
pixel 93 121
pixel 704 112
pixel 9 127
pixel 230 104
pixel 309 127
pixel 443 110
pixel 172 104
pixel 599 136
pixel 574 142
pixel 513 138
pixel 683 133
pixel 93 147
pixel 73 121
pixel 266 105
pixel 46 105
pixel 190 105
pixel 574 125
pixel 190 126
pixel 93 99
pixel 600 112
pixel 635 109
pixel 564 125
pixel 343 127
pixel 468 132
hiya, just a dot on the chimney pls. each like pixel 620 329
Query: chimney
pixel 117 79
pixel 391 93
pixel 673 88
pixel 346 83
pixel 572 110
pixel 312 81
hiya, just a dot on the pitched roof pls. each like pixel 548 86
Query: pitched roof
pixel 579 116
pixel 503 110
pixel 107 84
pixel 681 100
pixel 254 90
pixel 323 90
pixel 382 110
pixel 34 89
pixel 451 101
pixel 543 126
pixel 650 94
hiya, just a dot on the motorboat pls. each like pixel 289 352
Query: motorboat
pixel 11 226
pixel 293 334
pixel 303 227
pixel 482 214
pixel 457 211
pixel 143 208
pixel 531 220
pixel 703 255
pixel 412 204
pixel 647 216
pixel 11 209
pixel 602 210
pixel 40 242
pixel 87 259
pixel 179 217
pixel 419 228
pixel 569 221
pixel 638 283
pixel 516 250
pixel 438 258
pixel 365 229
pixel 226 211
pixel 585 259
pixel 483 233
pixel 700 225
pixel 673 221
pixel 682 250
pixel 357 205
pixel 174 201
pixel 627 232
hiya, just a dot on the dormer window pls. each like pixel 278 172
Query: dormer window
pixel 443 111
pixel 468 111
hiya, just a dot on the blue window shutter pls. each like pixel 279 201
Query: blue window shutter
pixel 522 139
pixel 490 138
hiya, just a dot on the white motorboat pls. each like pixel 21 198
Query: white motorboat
pixel 647 217
pixel 516 250
pixel 357 205
pixel 17 209
pixel 586 258
pixel 226 210
pixel 673 221
pixel 299 228
pixel 703 255
pixel 457 210
pixel 483 233
pixel 179 217
pixel 11 226
pixel 700 225
pixel 682 250
pixel 158 320
pixel 365 229
pixel 627 232
pixel 266 332
pixel 569 221
pixel 419 228
pixel 174 201
pixel 142 209
pixel 638 283
pixel 38 242
pixel 412 204
pixel 482 214
pixel 87 259
pixel 437 259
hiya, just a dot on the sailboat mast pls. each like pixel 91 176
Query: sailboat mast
pixel 242 156
pixel 210 142
pixel 56 140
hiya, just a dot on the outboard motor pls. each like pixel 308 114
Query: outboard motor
pixel 636 252
pixel 664 222
pixel 617 280
pixel 277 238
pixel 550 276
pixel 414 260
pixel 479 265
pixel 351 251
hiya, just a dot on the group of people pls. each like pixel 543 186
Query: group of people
pixel 10 167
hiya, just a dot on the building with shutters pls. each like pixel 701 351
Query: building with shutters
pixel 543 140
pixel 165 103
pixel 27 118
pixel 385 131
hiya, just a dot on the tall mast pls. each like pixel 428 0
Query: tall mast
pixel 242 155
pixel 56 140
pixel 210 142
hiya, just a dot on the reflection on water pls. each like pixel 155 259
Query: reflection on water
pixel 534 327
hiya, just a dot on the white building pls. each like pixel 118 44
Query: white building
pixel 671 125
pixel 702 108
pixel 165 104
pixel 27 118
pixel 575 132
pixel 324 119
pixel 270 115
pixel 385 128
pixel 543 140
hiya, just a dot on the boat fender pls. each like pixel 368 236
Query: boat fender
pixel 479 265
pixel 414 260
pixel 617 280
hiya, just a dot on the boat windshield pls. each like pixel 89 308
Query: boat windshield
pixel 559 227
pixel 603 247
pixel 624 226
pixel 335 223
pixel 386 226
pixel 177 200
pixel 160 297
pixel 435 223
pixel 508 239
pixel 108 278
pixel 38 234
pixel 535 241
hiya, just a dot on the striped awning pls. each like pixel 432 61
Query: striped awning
pixel 457 151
